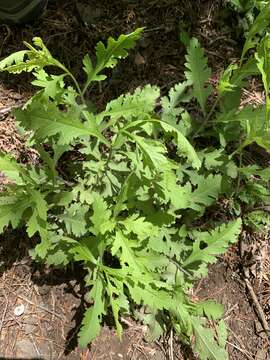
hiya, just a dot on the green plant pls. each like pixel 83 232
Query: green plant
pixel 248 11
pixel 130 207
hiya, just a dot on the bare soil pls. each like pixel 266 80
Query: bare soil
pixel 50 301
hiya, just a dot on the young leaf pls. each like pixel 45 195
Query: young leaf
pixel 198 72
pixel 90 328
pixel 171 108
pixel 13 59
pixel 27 60
pixel 108 56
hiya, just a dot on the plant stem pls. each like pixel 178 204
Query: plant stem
pixel 68 73
pixel 239 176
pixel 206 119
pixel 77 87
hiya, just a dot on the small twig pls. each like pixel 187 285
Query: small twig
pixel 126 322
pixel 3 317
pixel 5 110
pixel 228 312
pixel 139 348
pixel 35 346
pixel 179 267
pixel 8 109
pixel 40 307
pixel 243 351
pixel 207 118
pixel 259 309
pixel 171 345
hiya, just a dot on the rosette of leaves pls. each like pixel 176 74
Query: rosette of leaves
pixel 129 206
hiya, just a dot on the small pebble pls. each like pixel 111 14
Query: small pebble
pixel 19 310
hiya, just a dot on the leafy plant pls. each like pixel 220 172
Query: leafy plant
pixel 248 11
pixel 131 206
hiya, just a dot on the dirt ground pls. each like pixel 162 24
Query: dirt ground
pixel 41 308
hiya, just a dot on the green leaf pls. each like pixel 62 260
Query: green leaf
pixel 52 85
pixel 222 333
pixel 178 195
pixel 225 85
pixel 153 151
pixel 117 300
pixel 171 108
pixel 123 247
pixel 137 225
pixel 212 159
pixel 210 309
pixel 156 299
pixel 183 145
pixel 82 250
pixel 75 219
pixel 214 243
pixel 108 56
pixel 258 220
pixel 46 120
pixel 198 73
pixel 11 169
pixel 13 59
pixel 155 325
pixel 208 190
pixel 90 328
pixel 101 216
pixel 12 211
pixel 37 57
pixel 260 24
pixel 38 219
pixel 205 343
pixel 139 104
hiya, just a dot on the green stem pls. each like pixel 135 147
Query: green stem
pixel 88 82
pixel 68 73
pixel 206 119
pixel 239 176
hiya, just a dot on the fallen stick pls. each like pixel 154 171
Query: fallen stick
pixel 257 305
pixel 6 110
